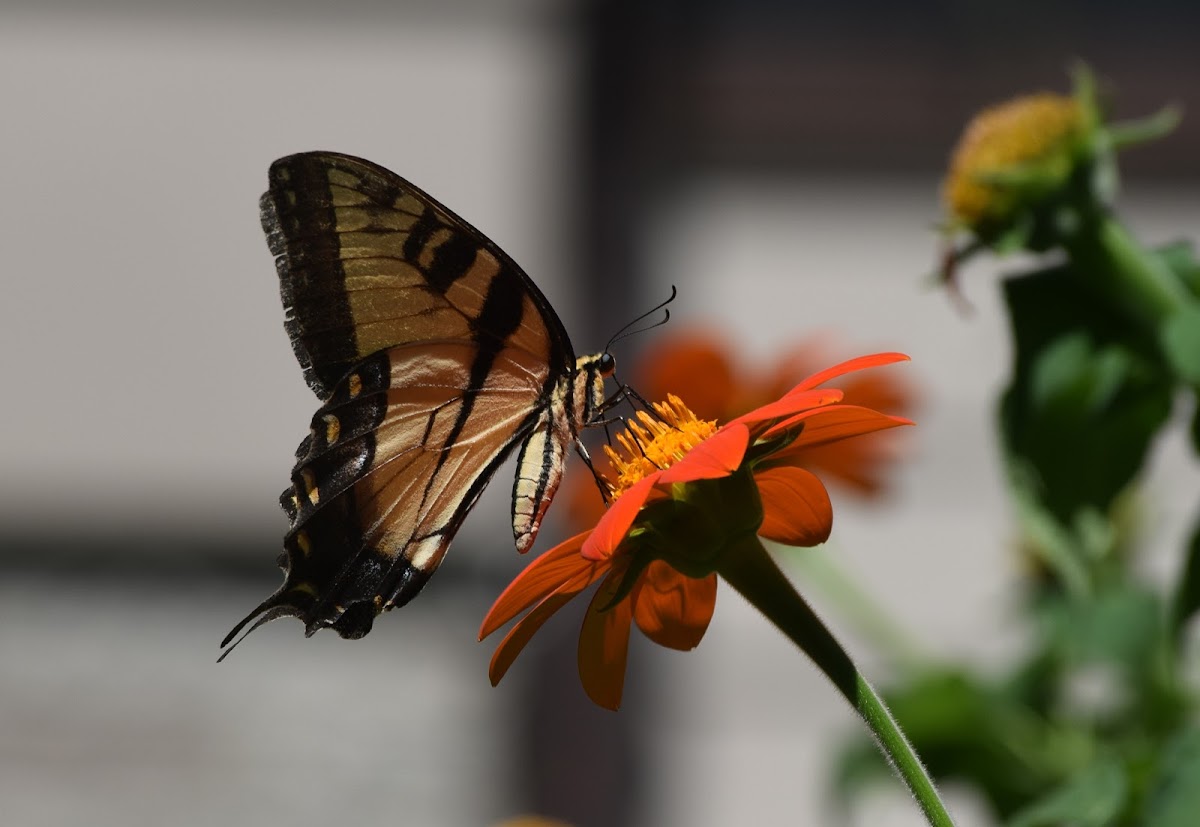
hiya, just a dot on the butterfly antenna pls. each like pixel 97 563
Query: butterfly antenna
pixel 626 331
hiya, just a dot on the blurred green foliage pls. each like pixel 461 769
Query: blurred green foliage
pixel 1095 725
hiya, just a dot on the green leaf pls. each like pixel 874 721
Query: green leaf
pixel 1174 798
pixel 1121 626
pixel 1187 595
pixel 1181 260
pixel 1180 338
pixel 1113 649
pixel 1073 379
pixel 1087 396
pixel 1093 798
pixel 1196 425
pixel 1046 537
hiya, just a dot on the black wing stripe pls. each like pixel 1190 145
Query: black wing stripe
pixel 361 185
pixel 307 258
pixel 499 319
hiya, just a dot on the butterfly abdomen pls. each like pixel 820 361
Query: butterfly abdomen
pixel 539 472
pixel 574 402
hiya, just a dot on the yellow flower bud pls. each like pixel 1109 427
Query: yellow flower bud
pixel 1036 133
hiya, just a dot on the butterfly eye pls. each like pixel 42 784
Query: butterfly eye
pixel 607 364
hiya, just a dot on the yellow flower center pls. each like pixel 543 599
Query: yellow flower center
pixel 652 443
pixel 1027 130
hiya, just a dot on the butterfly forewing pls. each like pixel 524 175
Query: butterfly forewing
pixel 367 261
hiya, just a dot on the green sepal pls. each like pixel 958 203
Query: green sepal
pixel 1015 236
pixel 1125 134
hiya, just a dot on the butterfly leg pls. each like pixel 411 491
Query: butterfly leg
pixel 601 483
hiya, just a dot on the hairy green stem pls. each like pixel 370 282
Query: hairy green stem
pixel 1111 261
pixel 750 570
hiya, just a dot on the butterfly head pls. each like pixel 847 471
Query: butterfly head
pixel 606 364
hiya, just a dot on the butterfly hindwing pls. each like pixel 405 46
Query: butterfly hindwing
pixel 376 498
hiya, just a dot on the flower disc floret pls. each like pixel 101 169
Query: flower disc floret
pixel 652 443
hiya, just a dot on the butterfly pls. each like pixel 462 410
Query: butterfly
pixel 434 356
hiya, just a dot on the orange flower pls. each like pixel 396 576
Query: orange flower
pixel 701 367
pixel 685 495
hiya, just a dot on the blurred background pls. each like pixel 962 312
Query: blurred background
pixel 777 161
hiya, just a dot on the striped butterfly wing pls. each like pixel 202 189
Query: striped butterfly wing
pixel 368 261
pixel 435 356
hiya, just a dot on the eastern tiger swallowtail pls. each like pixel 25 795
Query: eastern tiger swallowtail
pixel 434 356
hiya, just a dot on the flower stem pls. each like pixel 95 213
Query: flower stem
pixel 750 569
pixel 1112 261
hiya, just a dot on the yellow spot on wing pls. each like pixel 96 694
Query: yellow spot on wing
pixel 303 542
pixel 436 239
pixel 310 485
pixel 355 385
pixel 333 429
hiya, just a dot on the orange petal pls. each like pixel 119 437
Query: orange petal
pixel 604 642
pixel 716 457
pixel 829 424
pixel 882 390
pixel 539 579
pixel 790 405
pixel 521 633
pixel 796 507
pixel 615 523
pixel 673 610
pixel 861 464
pixel 849 366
